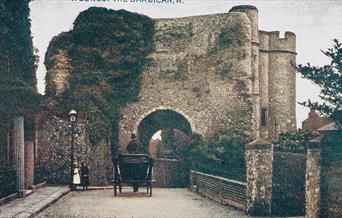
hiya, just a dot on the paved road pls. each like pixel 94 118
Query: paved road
pixel 165 203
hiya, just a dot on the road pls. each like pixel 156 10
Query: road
pixel 165 203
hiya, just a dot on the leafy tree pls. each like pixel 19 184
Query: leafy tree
pixel 329 78
pixel 223 155
pixel 293 141
pixel 18 62
pixel 229 148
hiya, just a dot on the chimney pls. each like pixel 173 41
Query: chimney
pixel 313 114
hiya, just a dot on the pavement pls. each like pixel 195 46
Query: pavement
pixel 33 204
pixel 165 203
pixel 58 201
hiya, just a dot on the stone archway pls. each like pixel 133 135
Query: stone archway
pixel 162 119
pixel 167 170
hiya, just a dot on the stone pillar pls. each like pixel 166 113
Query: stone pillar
pixel 312 179
pixel 259 158
pixel 29 164
pixel 20 153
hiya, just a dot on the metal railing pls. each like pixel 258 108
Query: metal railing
pixel 8 181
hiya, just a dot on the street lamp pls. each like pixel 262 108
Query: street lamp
pixel 72 117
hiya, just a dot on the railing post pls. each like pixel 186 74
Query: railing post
pixel 259 158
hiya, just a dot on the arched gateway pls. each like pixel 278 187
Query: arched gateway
pixel 162 119
pixel 157 119
pixel 220 72
pixel 210 73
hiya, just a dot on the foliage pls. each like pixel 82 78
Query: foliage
pixel 293 141
pixel 18 62
pixel 8 178
pixel 108 50
pixel 223 155
pixel 329 78
pixel 230 148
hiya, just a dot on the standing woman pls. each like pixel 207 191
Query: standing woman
pixel 76 177
pixel 84 175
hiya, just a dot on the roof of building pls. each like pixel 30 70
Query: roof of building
pixel 330 126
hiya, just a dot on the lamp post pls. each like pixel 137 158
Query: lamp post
pixel 72 117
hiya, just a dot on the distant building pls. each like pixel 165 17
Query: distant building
pixel 153 146
pixel 314 121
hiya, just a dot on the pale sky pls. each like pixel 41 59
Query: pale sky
pixel 315 23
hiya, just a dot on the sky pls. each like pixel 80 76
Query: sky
pixel 315 23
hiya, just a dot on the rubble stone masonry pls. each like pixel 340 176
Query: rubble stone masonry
pixel 54 136
pixel 218 71
pixel 259 158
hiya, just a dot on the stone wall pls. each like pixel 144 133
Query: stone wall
pixel 288 185
pixel 219 189
pixel 216 70
pixel 312 180
pixel 259 158
pixel 54 152
pixel 331 171
pixel 201 68
pixel 324 169
pixel 58 63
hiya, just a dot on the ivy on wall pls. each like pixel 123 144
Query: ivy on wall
pixel 108 50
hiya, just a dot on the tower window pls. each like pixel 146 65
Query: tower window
pixel 264 116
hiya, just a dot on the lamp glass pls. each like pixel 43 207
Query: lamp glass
pixel 72 114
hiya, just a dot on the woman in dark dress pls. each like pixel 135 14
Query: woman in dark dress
pixel 84 176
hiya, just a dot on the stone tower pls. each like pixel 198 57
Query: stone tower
pixel 273 69
pixel 214 73
pixel 247 73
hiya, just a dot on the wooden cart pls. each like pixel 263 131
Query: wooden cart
pixel 133 169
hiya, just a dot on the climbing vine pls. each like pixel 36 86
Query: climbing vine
pixel 108 50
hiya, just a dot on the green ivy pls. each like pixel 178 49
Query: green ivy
pixel 108 50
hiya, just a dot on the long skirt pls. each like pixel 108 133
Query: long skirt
pixel 76 178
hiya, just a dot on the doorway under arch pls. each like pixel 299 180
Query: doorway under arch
pixel 162 119
pixel 167 168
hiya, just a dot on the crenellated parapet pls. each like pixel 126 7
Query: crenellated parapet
pixel 220 70
pixel 271 42
pixel 277 60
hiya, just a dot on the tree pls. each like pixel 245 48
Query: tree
pixel 293 141
pixel 329 78
pixel 18 62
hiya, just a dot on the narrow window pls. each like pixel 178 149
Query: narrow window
pixel 264 116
